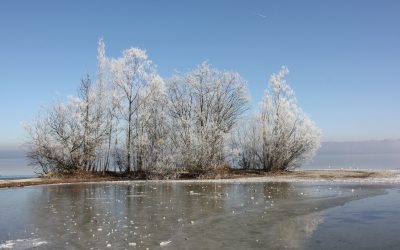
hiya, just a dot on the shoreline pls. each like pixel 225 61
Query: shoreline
pixel 362 176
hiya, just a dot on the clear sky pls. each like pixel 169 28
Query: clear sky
pixel 344 56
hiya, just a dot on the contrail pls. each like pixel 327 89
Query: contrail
pixel 261 15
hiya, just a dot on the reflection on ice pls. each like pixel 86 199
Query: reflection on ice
pixel 294 232
pixel 21 244
pixel 173 215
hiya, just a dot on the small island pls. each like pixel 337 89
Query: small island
pixel 130 123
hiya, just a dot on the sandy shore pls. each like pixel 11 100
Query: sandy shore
pixel 358 176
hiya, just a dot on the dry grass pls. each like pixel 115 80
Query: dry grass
pixel 218 173
pixel 339 174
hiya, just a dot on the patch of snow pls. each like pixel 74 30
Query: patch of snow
pixel 164 243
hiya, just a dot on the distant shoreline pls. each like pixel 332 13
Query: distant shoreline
pixel 365 176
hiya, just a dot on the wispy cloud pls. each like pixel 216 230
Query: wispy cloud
pixel 260 15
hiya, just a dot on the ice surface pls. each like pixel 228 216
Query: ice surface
pixel 21 244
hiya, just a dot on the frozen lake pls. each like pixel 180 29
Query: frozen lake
pixel 172 215
pixel 15 168
pixel 355 161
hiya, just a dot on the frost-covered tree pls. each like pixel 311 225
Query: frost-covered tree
pixel 243 145
pixel 92 101
pixel 76 130
pixel 155 141
pixel 281 136
pixel 108 99
pixel 204 104
pixel 69 136
pixel 130 119
pixel 86 119
pixel 56 139
pixel 132 74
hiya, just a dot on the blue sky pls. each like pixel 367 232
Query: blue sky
pixel 344 56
